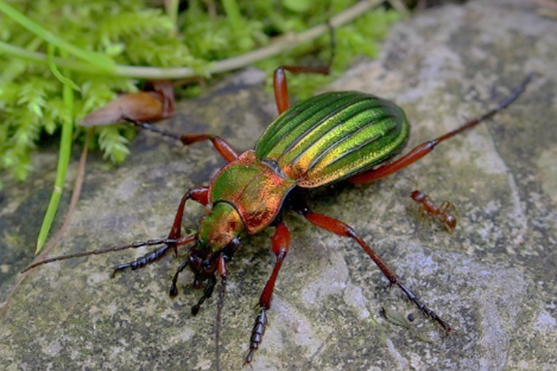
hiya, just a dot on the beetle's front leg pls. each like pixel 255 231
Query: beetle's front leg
pixel 344 230
pixel 280 246
pixel 200 195
pixel 222 146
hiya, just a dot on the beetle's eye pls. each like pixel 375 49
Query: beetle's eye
pixel 207 263
pixel 235 244
pixel 231 248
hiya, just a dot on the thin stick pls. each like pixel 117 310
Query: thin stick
pixel 287 42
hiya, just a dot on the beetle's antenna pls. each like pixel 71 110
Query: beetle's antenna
pixel 135 245
pixel 218 321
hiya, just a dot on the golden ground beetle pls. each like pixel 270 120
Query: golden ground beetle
pixel 325 139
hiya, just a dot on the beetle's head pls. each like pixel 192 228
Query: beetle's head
pixel 218 235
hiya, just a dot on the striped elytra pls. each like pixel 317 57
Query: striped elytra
pixel 332 136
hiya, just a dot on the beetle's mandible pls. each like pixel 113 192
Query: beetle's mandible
pixel 325 139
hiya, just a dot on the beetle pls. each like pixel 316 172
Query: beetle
pixel 331 137
pixel 445 213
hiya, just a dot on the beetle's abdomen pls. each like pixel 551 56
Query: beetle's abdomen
pixel 253 188
pixel 332 136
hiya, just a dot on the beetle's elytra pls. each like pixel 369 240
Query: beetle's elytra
pixel 332 136
pixel 325 139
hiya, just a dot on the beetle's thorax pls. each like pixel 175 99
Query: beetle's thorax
pixel 252 188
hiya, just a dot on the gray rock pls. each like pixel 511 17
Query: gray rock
pixel 494 280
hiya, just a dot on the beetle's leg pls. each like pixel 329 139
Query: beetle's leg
pixel 279 78
pixel 222 146
pixel 200 195
pixel 344 230
pixel 281 87
pixel 280 246
pixel 425 148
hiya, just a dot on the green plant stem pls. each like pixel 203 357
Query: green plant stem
pixel 101 61
pixel 63 162
pixel 29 55
pixel 282 44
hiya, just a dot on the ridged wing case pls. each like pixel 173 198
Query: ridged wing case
pixel 333 136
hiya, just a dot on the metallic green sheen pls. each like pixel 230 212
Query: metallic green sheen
pixel 333 136
pixel 254 189
pixel 218 228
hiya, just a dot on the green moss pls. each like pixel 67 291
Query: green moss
pixel 132 32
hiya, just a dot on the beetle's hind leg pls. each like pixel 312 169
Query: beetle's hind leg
pixel 344 230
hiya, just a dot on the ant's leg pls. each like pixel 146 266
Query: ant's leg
pixel 225 149
pixel 280 246
pixel 425 148
pixel 344 230
pixel 200 195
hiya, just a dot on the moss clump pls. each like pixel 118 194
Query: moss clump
pixel 93 37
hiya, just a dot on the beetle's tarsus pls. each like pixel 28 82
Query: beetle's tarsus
pixel 257 333
pixel 154 129
pixel 421 306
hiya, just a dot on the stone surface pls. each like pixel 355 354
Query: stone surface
pixel 494 280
